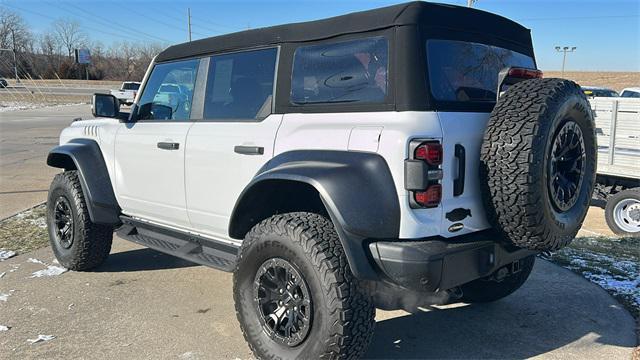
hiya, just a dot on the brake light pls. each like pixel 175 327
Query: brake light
pixel 525 73
pixel 429 152
pixel 431 197
pixel 423 172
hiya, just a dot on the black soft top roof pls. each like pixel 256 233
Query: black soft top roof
pixel 424 14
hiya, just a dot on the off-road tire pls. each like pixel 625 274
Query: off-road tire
pixel 488 289
pixel 343 316
pixel 91 243
pixel 515 163
pixel 610 208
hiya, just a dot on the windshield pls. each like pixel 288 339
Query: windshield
pixel 467 72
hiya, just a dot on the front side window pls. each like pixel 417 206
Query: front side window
pixel 240 85
pixel 466 72
pixel 168 93
pixel 345 72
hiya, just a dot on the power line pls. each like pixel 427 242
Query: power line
pixel 109 22
pixel 157 21
pixel 52 18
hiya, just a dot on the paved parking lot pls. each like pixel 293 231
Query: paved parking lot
pixel 142 304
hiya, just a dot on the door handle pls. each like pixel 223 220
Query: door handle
pixel 458 184
pixel 249 150
pixel 168 146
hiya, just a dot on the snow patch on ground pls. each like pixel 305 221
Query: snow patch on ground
pixel 18 105
pixel 35 261
pixel 14 106
pixel 40 222
pixel 6 254
pixel 41 338
pixel 51 270
pixel 612 263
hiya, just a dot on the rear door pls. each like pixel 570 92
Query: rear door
pixel 234 138
pixel 149 151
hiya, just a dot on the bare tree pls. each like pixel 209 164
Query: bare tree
pixel 69 34
pixel 13 26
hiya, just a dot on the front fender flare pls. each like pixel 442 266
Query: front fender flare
pixel 356 188
pixel 85 156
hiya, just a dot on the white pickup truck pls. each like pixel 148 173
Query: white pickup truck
pixel 618 174
pixel 127 93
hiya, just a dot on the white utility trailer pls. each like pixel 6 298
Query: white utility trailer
pixel 618 178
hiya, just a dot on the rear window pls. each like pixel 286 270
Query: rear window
pixel 343 72
pixel 630 94
pixel 130 86
pixel 468 72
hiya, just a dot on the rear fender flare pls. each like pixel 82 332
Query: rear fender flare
pixel 356 188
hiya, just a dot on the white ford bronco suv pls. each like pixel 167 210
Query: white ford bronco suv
pixel 389 158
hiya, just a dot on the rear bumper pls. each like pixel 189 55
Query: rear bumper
pixel 441 264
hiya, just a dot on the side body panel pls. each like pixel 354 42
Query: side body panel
pixel 344 131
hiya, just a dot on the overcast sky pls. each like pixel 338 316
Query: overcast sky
pixel 606 32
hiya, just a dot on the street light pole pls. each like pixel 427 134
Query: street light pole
pixel 564 51
pixel 189 22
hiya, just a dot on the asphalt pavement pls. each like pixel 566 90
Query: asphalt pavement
pixel 26 136
pixel 145 305
pixel 142 304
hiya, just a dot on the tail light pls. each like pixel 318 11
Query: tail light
pixel 423 173
pixel 524 73
pixel 431 197
pixel 429 152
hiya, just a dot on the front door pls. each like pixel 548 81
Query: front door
pixel 150 149
pixel 234 139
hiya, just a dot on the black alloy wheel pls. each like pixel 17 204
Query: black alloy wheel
pixel 567 164
pixel 283 301
pixel 64 226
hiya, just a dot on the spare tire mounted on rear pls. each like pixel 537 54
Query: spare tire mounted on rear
pixel 538 163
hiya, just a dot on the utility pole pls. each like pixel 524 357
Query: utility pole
pixel 470 3
pixel 15 57
pixel 189 22
pixel 564 51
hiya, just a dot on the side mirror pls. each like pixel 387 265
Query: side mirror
pixel 105 105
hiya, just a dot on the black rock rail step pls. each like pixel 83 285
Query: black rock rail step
pixel 200 250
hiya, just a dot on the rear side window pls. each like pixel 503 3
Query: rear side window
pixel 466 72
pixel 345 72
pixel 169 92
pixel 240 85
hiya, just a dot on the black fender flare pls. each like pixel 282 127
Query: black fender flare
pixel 357 190
pixel 85 156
